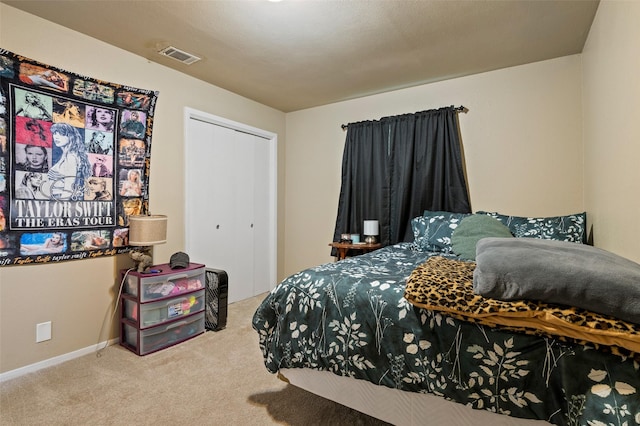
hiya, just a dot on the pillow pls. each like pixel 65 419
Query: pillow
pixel 432 231
pixel 471 230
pixel 562 228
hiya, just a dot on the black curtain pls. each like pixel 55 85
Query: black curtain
pixel 395 168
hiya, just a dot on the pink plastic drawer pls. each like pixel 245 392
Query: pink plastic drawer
pixel 145 315
pixel 153 339
pixel 164 284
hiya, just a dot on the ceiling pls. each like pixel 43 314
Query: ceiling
pixel 297 54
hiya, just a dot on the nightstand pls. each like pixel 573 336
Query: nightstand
pixel 343 248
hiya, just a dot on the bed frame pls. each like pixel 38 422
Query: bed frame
pixel 395 406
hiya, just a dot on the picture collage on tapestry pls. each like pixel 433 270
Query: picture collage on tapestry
pixel 74 162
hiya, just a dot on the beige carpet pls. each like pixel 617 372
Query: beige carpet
pixel 217 378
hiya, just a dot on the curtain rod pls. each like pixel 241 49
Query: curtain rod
pixel 460 108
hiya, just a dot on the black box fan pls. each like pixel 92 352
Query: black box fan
pixel 216 298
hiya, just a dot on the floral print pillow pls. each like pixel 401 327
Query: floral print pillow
pixel 432 231
pixel 562 228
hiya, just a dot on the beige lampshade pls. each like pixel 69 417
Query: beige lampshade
pixel 147 230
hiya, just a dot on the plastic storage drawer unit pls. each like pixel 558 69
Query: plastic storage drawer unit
pixel 150 314
pixel 153 339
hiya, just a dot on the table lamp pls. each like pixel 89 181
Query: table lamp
pixel 370 231
pixel 144 232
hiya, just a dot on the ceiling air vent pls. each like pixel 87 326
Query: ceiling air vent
pixel 179 55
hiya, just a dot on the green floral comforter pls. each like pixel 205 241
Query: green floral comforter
pixel 351 318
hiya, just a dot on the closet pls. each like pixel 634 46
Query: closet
pixel 230 202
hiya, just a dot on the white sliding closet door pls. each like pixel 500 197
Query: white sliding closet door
pixel 228 223
pixel 264 196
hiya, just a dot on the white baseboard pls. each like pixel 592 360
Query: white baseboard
pixel 55 360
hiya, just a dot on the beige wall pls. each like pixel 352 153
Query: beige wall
pixel 522 140
pixel 77 296
pixel 612 127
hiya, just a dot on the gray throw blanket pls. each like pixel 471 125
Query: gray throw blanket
pixel 558 272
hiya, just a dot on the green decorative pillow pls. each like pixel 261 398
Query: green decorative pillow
pixel 474 228
pixel 432 231
pixel 562 228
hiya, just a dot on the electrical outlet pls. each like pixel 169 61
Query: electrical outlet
pixel 43 331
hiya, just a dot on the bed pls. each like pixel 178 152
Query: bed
pixel 402 334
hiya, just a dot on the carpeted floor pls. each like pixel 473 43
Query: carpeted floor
pixel 217 378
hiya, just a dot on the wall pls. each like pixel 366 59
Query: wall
pixel 77 296
pixel 612 128
pixel 522 141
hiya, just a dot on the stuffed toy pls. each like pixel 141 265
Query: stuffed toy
pixel 143 260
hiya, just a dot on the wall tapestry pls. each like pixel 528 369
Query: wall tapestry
pixel 74 162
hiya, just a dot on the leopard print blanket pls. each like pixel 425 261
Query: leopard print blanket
pixel 446 285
